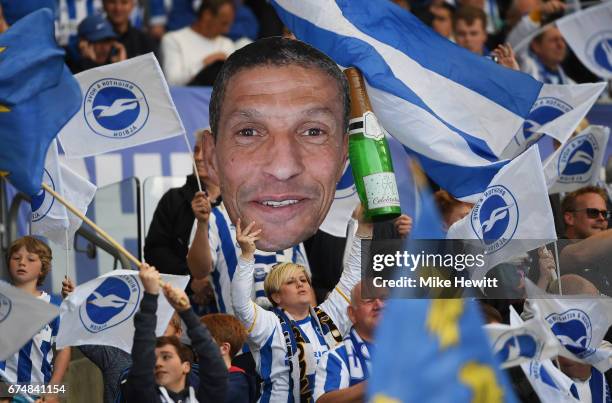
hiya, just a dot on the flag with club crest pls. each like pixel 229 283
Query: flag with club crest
pixel 589 34
pixel 578 162
pixel 50 218
pixel 457 113
pixel 21 317
pixel 124 104
pixel 513 216
pixel 101 311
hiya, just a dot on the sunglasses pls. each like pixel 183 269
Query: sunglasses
pixel 594 213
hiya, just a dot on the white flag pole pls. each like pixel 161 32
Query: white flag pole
pixel 557 264
pixel 67 252
pixel 195 167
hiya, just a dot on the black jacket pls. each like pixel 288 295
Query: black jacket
pixel 137 42
pixel 167 241
pixel 141 386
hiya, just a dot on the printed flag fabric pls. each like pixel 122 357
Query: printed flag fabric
pixel 578 162
pixel 513 215
pixel 124 104
pixel 21 317
pixel 522 341
pixel 457 113
pixel 49 217
pixel 589 34
pixel 38 95
pixel 435 351
pixel 101 311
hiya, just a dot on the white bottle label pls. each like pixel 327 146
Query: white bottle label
pixel 371 127
pixel 381 190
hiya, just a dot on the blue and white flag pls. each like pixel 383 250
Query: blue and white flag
pixel 21 317
pixel 124 104
pixel 457 111
pixel 589 34
pixel 580 322
pixel 49 217
pixel 522 341
pixel 513 215
pixel 548 382
pixel 101 311
pixel 578 162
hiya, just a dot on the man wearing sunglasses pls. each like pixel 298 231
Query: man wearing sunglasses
pixel 585 212
pixel 589 251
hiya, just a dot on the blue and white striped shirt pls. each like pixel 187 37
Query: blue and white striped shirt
pixel 33 362
pixel 347 364
pixel 225 252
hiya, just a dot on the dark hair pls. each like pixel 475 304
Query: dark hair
pixel 184 352
pixel 569 202
pixel 470 14
pixel 36 247
pixel 226 328
pixel 279 52
pixel 539 37
pixel 213 6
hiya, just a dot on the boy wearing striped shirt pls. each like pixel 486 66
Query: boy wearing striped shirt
pixel 29 261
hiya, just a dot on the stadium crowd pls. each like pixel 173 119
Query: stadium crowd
pixel 293 324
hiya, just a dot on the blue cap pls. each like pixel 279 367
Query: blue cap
pixel 96 28
pixel 13 10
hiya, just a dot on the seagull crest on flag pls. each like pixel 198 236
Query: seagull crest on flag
pixel 496 215
pixel 117 107
pixel 581 156
pixel 108 301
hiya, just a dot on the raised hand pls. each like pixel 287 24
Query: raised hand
pixel 546 263
pixel 403 225
pixel 505 56
pixel 201 207
pixel 67 286
pixel 246 238
pixel 176 297
pixel 150 278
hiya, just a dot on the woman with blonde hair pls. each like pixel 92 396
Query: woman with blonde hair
pixel 288 341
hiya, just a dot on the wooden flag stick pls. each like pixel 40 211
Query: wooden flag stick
pixel 100 231
pixel 92 224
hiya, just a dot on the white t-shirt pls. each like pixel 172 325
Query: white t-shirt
pixel 184 51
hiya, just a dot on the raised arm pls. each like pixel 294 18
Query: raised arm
pixel 213 371
pixel 258 322
pixel 140 385
pixel 335 305
pixel 199 257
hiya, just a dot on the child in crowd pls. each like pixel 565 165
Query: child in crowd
pixel 230 335
pixel 29 261
pixel 161 366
